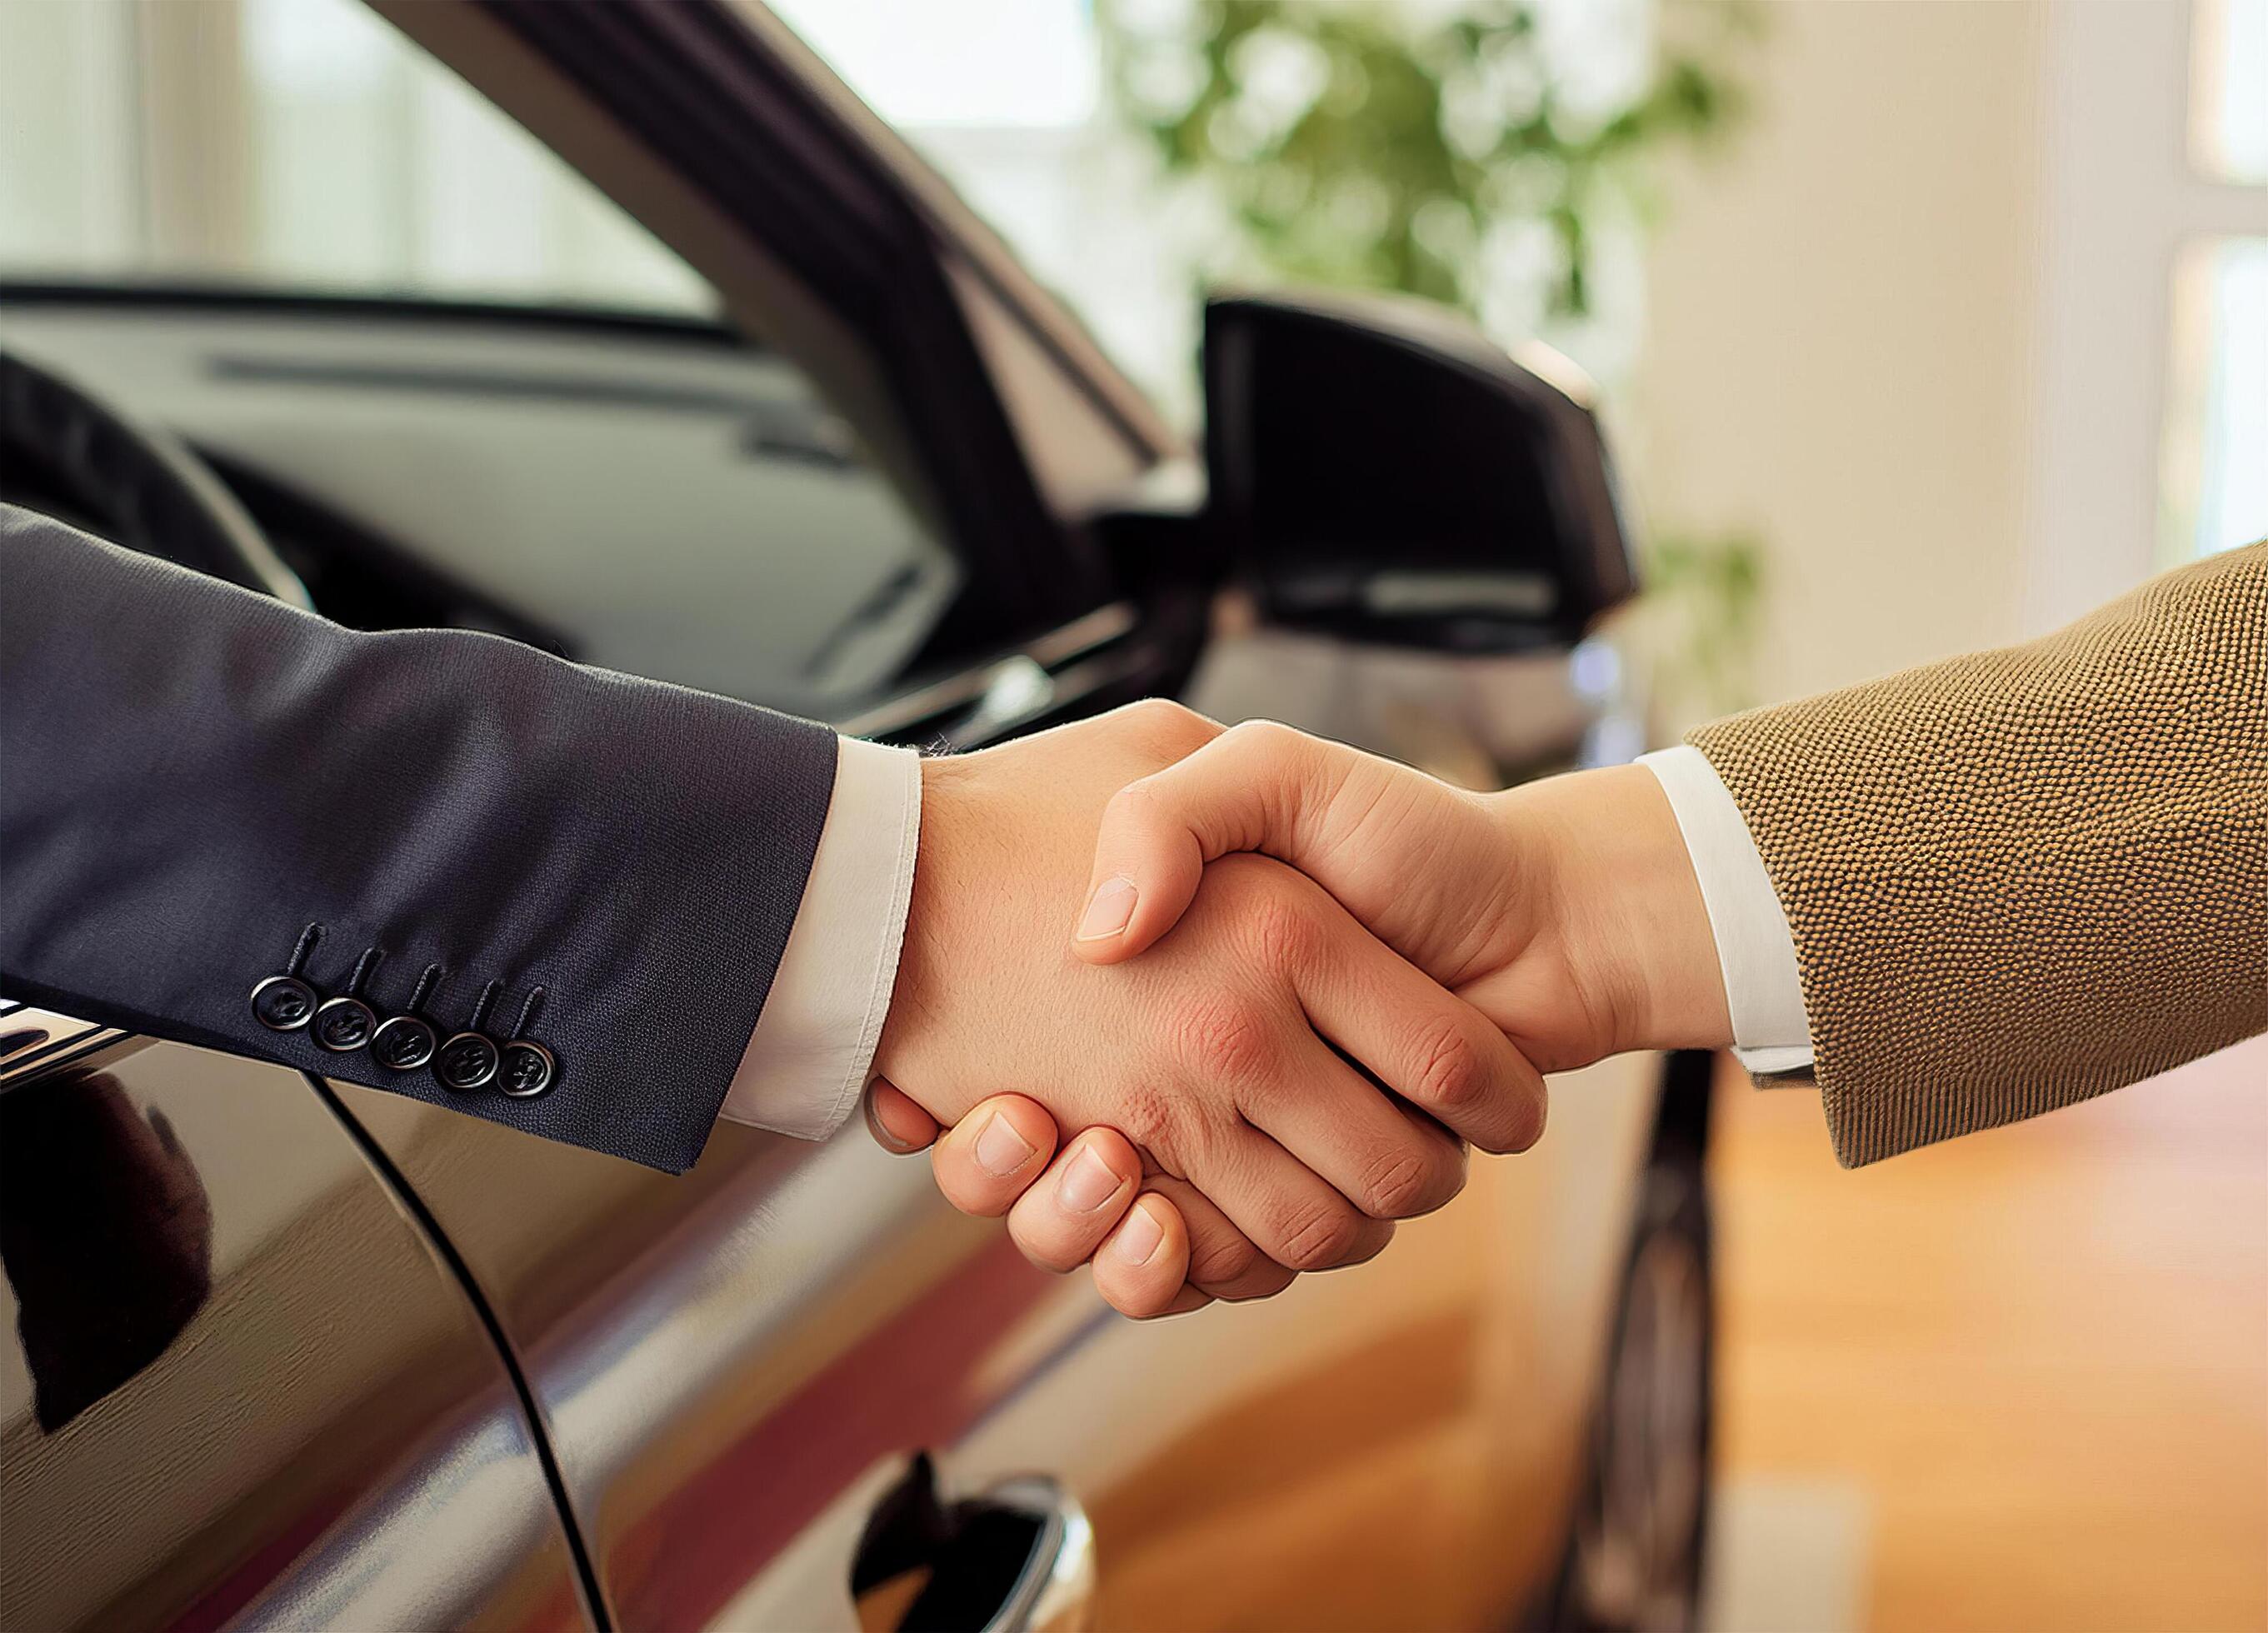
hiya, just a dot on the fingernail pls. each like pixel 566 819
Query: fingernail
pixel 1088 1183
pixel 1107 911
pixel 1139 1237
pixel 883 1137
pixel 1000 1149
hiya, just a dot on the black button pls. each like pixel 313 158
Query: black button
pixel 283 1002
pixel 526 1070
pixel 344 1024
pixel 403 1044
pixel 467 1062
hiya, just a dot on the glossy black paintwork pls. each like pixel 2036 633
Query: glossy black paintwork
pixel 237 1387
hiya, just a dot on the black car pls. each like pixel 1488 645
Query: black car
pixel 292 1353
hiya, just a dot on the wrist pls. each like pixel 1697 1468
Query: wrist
pixel 914 994
pixel 967 914
pixel 1628 909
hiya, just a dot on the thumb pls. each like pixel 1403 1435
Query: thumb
pixel 1259 786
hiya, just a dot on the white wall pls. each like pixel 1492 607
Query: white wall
pixel 1841 324
pixel 1923 327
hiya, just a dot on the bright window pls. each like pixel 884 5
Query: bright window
pixel 2228 114
pixel 2212 471
pixel 293 144
pixel 2216 455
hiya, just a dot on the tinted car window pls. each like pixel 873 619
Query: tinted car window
pixel 578 457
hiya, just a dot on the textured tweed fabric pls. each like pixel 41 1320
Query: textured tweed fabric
pixel 2021 877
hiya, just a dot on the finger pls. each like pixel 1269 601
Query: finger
pixel 1292 1215
pixel 988 1159
pixel 899 1126
pixel 1431 1047
pixel 1060 1221
pixel 1223 1263
pixel 1142 1266
pixel 1253 788
pixel 1388 1164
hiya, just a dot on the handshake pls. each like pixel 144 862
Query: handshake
pixel 1262 990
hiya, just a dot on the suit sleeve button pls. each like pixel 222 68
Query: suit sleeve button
pixel 343 1024
pixel 283 1002
pixel 467 1062
pixel 526 1070
pixel 402 1043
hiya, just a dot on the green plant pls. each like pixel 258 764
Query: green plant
pixel 1378 147
pixel 1443 153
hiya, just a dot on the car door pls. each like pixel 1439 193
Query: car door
pixel 240 1383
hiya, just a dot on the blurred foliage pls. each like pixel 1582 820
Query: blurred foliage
pixel 1395 147
pixel 1702 616
pixel 1430 149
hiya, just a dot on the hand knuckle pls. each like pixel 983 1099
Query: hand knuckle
pixel 1219 1259
pixel 1137 802
pixel 1146 1115
pixel 1157 713
pixel 1143 807
pixel 1319 1237
pixel 1282 933
pixel 1402 1183
pixel 1224 1038
pixel 1448 1070
pixel 1262 737
pixel 1168 728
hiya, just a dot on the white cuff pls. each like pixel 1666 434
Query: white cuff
pixel 1771 1033
pixel 814 1042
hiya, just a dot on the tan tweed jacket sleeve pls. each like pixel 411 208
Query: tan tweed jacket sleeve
pixel 2019 879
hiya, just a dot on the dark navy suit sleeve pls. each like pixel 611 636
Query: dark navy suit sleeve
pixel 192 775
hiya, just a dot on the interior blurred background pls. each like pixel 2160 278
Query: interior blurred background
pixel 1920 326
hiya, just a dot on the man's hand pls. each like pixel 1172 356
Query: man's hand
pixel 1146 1260
pixel 1565 910
pixel 1244 1057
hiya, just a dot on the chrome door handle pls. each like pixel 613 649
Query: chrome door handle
pixel 1017 1558
pixel 1055 1593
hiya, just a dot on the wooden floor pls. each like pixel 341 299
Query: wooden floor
pixel 2028 1369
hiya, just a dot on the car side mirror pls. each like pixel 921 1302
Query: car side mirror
pixel 1377 468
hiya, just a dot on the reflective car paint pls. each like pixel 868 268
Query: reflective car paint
pixel 256 1396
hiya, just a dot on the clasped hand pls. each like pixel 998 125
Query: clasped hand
pixel 1367 969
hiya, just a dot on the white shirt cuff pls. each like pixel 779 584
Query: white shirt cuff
pixel 814 1044
pixel 1771 1032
